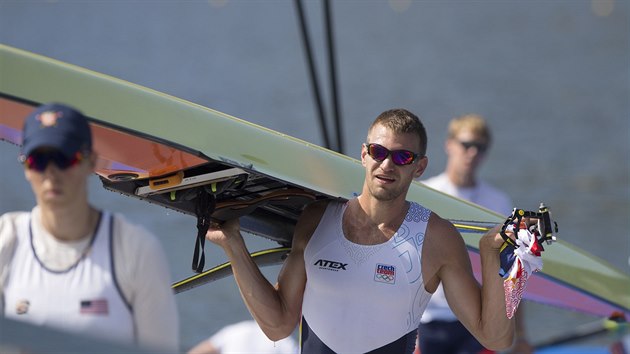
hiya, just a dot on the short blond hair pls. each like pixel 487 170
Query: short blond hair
pixel 402 121
pixel 470 122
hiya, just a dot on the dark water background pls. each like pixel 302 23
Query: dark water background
pixel 552 77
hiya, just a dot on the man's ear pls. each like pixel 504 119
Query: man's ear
pixel 363 154
pixel 421 166
pixel 447 146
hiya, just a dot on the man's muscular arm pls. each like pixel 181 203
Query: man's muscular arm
pixel 480 309
pixel 276 309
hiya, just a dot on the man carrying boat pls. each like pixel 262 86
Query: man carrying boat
pixel 70 266
pixel 361 273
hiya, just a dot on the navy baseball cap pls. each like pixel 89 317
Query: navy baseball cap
pixel 56 126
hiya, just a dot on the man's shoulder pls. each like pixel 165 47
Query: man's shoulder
pixel 437 223
pixel 442 243
pixel 313 212
pixel 309 221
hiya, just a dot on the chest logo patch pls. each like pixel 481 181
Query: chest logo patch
pixel 21 307
pixel 94 307
pixel 385 273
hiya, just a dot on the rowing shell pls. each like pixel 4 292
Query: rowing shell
pixel 168 151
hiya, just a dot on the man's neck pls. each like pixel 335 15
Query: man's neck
pixel 385 216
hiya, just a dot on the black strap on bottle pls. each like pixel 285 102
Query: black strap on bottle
pixel 203 209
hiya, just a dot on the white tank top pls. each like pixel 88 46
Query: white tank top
pixel 361 297
pixel 83 298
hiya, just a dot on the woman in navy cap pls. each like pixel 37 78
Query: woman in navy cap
pixel 68 265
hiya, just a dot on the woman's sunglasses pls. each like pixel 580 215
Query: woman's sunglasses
pixel 38 161
pixel 399 157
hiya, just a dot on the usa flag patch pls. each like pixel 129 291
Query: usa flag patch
pixel 385 274
pixel 94 307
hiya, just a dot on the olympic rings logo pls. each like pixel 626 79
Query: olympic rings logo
pixel 385 278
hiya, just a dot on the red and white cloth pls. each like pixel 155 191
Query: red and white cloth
pixel 528 260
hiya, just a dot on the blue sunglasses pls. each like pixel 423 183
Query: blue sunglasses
pixel 399 157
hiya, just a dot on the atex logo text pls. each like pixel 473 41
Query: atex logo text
pixel 331 265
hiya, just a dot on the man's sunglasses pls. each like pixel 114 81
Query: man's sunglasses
pixel 399 157
pixel 481 147
pixel 38 161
